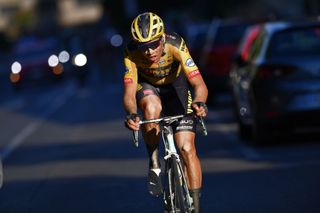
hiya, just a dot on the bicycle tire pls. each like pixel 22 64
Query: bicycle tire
pixel 168 193
pixel 185 190
pixel 180 197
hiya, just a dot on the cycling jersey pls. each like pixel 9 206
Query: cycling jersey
pixel 174 58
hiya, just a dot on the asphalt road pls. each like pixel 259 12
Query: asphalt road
pixel 65 149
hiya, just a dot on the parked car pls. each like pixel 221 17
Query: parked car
pixel 221 43
pixel 35 58
pixel 280 81
pixel 238 81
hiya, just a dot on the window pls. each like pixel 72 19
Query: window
pixel 295 42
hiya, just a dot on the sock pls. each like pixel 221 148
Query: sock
pixel 196 194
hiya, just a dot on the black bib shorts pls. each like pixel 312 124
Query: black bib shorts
pixel 175 99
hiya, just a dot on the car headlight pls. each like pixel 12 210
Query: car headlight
pixel 53 61
pixel 64 56
pixel 16 67
pixel 80 60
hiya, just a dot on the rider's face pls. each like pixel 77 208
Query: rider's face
pixel 152 50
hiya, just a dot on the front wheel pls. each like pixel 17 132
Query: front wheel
pixel 177 197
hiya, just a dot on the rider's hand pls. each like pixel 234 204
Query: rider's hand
pixel 132 122
pixel 200 109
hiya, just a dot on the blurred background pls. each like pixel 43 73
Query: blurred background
pixel 33 30
pixel 63 144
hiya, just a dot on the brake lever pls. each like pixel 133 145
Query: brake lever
pixel 136 138
pixel 203 125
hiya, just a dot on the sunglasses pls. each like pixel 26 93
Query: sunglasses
pixel 150 45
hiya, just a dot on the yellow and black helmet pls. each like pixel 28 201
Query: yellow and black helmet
pixel 147 27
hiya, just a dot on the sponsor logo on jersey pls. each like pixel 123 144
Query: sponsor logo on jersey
pixel 193 73
pixel 189 102
pixel 157 73
pixel 147 92
pixel 190 63
pixel 186 122
pixel 184 128
pixel 183 47
pixel 127 80
pixel 162 61
pixel 127 69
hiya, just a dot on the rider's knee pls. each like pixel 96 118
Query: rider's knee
pixel 152 110
pixel 188 151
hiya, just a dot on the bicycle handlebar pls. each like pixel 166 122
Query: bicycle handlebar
pixel 167 119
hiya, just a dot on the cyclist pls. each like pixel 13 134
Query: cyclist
pixel 159 70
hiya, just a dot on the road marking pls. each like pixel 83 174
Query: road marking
pixel 19 138
pixel 57 103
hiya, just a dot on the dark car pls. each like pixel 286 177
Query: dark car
pixel 222 41
pixel 35 58
pixel 238 81
pixel 280 81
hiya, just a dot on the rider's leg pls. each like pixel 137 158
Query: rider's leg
pixel 151 108
pixel 186 143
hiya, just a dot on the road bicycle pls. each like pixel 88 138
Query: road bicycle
pixel 176 196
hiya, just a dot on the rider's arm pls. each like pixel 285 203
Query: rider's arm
pixel 194 77
pixel 129 98
pixel 200 89
pixel 129 95
pixel 200 95
pixel 130 106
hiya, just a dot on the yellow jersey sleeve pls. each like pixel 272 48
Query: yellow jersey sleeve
pixel 188 66
pixel 131 72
